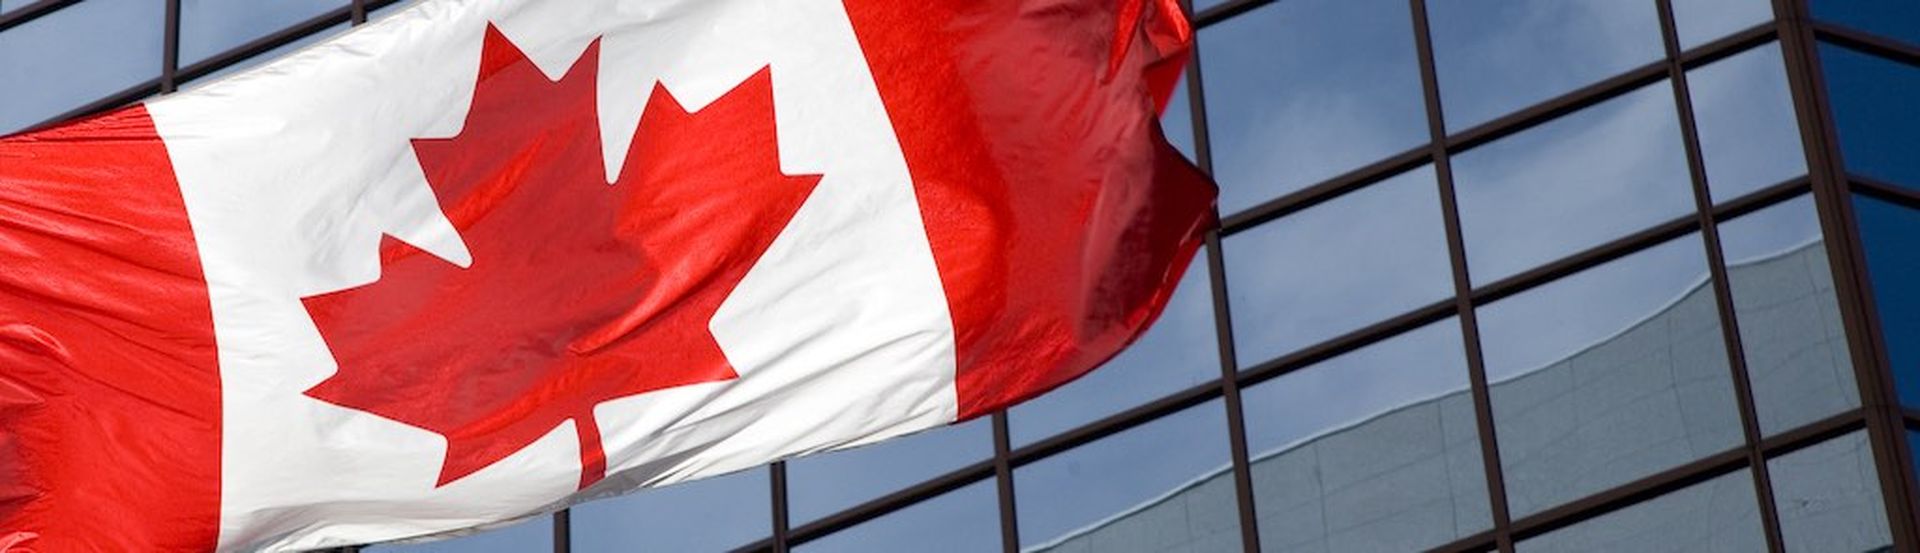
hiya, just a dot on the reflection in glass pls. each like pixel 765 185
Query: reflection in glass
pixel 208 27
pixel 389 9
pixel 821 485
pixel 1177 120
pixel 1790 331
pixel 1179 351
pixel 79 54
pixel 1716 516
pixel 1701 21
pixel 1898 19
pixel 271 55
pixel 1874 112
pixel 1365 256
pixel 1829 497
pixel 1890 234
pixel 713 514
pixel 960 521
pixel 528 535
pixel 1375 450
pixel 1744 113
pixel 1498 56
pixel 1913 444
pixel 1572 183
pixel 1607 376
pixel 1165 485
pixel 1304 90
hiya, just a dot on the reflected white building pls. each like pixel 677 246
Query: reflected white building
pixel 1403 477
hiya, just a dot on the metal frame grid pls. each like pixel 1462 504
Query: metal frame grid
pixel 1832 188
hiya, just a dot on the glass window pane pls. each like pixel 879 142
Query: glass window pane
pixel 1874 111
pixel 1744 113
pixel 961 521
pixel 1607 376
pixel 1898 19
pixel 1179 351
pixel 1177 120
pixel 1795 347
pixel 82 53
pixel 1829 497
pixel 529 535
pixel 713 514
pixel 209 27
pixel 1572 183
pixel 821 485
pixel 1890 234
pixel 1716 516
pixel 273 54
pixel 1338 266
pixel 1498 56
pixel 1164 485
pixel 1375 450
pixel 389 9
pixel 1702 21
pixel 1304 90
pixel 1913 444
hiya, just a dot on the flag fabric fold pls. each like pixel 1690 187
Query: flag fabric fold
pixel 482 259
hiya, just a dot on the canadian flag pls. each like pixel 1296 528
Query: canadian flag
pixel 486 258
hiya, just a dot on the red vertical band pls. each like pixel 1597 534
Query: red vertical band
pixel 1059 219
pixel 109 382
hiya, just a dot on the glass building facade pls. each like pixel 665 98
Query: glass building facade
pixel 1491 275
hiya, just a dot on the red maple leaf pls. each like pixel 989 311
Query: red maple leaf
pixel 578 292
